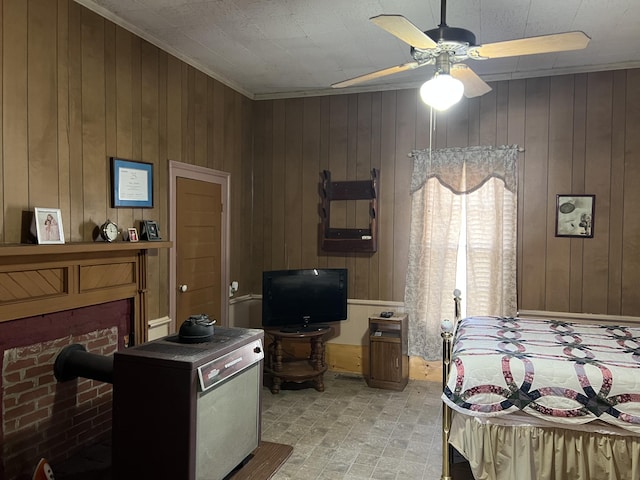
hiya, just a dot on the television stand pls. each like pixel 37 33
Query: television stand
pixel 304 328
pixel 297 370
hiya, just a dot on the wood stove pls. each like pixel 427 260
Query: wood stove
pixel 187 411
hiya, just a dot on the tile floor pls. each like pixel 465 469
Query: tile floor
pixel 347 432
pixel 351 431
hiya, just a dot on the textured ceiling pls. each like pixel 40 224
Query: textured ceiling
pixel 290 48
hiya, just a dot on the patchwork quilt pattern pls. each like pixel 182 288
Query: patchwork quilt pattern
pixel 559 371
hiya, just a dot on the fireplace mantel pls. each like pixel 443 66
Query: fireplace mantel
pixel 40 279
pixel 21 249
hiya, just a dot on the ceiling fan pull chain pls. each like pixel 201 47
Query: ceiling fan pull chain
pixel 432 127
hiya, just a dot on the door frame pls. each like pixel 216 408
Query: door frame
pixel 203 174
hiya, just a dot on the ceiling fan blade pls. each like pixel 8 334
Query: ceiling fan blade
pixel 380 73
pixel 474 86
pixel 558 42
pixel 406 31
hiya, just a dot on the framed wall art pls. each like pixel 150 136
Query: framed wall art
pixel 48 225
pixel 575 215
pixel 131 183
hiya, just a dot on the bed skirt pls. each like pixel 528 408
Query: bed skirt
pixel 501 452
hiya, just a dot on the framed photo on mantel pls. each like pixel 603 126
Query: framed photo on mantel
pixel 149 231
pixel 47 225
pixel 575 215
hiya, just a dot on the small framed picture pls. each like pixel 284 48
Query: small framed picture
pixel 150 230
pixel 575 215
pixel 133 234
pixel 48 223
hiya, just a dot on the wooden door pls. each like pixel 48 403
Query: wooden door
pixel 198 239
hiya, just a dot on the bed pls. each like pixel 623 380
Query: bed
pixel 533 398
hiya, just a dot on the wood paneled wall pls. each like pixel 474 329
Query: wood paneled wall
pixel 579 136
pixel 76 90
pixel 349 135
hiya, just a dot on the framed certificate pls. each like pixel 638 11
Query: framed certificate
pixel 131 183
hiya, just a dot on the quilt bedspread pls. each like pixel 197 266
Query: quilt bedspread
pixel 559 371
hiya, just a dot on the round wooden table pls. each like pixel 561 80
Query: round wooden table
pixel 296 370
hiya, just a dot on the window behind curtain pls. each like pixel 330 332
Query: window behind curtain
pixel 463 235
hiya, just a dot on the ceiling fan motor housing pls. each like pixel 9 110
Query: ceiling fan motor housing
pixel 447 34
pixel 456 41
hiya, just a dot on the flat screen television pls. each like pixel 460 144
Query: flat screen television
pixel 304 300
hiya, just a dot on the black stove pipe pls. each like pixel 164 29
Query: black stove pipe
pixel 74 361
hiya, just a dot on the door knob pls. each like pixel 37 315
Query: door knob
pixel 182 288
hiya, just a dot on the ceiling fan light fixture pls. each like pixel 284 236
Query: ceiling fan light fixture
pixel 442 91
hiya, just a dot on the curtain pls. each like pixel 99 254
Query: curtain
pixel 487 179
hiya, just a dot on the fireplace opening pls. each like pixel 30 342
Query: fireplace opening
pixel 44 418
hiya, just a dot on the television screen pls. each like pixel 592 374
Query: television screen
pixel 299 300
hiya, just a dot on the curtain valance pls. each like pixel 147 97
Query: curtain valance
pixel 465 169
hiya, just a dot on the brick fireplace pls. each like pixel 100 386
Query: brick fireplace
pixel 52 296
pixel 44 418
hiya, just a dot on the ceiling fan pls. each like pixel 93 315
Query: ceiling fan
pixel 447 47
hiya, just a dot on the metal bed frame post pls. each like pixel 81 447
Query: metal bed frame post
pixel 447 339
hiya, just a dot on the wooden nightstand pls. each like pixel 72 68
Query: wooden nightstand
pixel 388 352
